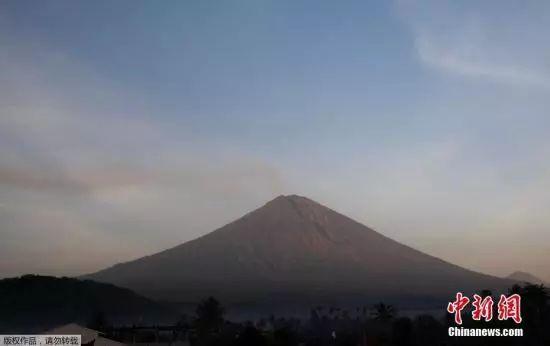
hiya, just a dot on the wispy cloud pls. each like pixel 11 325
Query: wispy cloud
pixel 455 61
pixel 486 44
pixel 93 172
pixel 85 183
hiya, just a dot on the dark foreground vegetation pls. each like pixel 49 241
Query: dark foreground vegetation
pixel 33 304
pixel 376 325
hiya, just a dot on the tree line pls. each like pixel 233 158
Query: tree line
pixel 380 324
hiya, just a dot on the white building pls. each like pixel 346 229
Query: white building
pixel 89 336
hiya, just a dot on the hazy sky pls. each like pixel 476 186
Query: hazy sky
pixel 128 127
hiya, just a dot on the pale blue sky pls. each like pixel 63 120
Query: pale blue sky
pixel 131 126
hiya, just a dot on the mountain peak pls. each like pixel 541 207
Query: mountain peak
pixel 285 249
pixel 290 198
pixel 295 209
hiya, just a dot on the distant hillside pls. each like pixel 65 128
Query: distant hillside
pixel 296 251
pixel 526 277
pixel 34 303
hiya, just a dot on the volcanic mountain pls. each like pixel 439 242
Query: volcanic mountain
pixel 294 250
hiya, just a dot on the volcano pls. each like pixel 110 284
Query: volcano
pixel 294 250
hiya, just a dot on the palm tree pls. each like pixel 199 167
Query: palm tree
pixel 383 312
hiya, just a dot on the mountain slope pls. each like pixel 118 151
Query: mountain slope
pixel 526 277
pixel 35 303
pixel 294 249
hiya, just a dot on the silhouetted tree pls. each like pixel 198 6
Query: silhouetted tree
pixel 250 336
pixel 428 330
pixel 402 331
pixel 182 325
pixel 485 293
pixel 516 289
pixel 383 312
pixel 535 310
pixel 209 319
pixel 98 321
pixel 285 336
